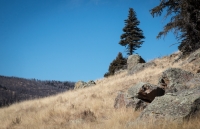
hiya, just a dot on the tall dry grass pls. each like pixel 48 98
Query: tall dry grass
pixel 89 108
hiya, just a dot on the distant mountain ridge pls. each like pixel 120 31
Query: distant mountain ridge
pixel 14 89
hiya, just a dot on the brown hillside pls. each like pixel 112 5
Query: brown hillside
pixel 91 107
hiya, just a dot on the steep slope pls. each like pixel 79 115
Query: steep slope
pixel 91 107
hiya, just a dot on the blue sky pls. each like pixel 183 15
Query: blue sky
pixel 71 40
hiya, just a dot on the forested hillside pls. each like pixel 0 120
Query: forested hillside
pixel 13 89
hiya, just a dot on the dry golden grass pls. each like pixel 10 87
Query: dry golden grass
pixel 88 108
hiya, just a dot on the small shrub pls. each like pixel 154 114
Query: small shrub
pixel 119 63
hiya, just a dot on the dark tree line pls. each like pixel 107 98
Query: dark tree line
pixel 13 89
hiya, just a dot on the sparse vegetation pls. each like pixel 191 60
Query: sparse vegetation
pixel 92 107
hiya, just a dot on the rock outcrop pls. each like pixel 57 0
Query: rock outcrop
pixel 136 63
pixel 148 92
pixel 174 107
pixel 134 60
pixel 138 96
pixel 82 84
pixel 177 98
pixel 145 91
pixel 140 67
pixel 91 83
pixel 123 101
pixel 174 79
pixel 132 91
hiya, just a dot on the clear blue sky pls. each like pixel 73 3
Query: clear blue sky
pixel 71 40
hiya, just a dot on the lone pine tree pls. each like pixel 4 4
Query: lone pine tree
pixel 132 36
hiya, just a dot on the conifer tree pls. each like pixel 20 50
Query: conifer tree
pixel 185 22
pixel 132 36
pixel 117 64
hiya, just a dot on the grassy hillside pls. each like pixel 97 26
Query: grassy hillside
pixel 91 107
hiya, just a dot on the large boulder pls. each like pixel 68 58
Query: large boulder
pixel 173 107
pixel 123 101
pixel 174 79
pixel 138 96
pixel 136 63
pixel 82 84
pixel 145 91
pixel 134 60
pixel 139 67
pixel 133 91
pixel 148 92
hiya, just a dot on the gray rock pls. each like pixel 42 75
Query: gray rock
pixel 173 107
pixel 135 63
pixel 90 83
pixel 148 92
pixel 134 60
pixel 122 101
pixel 145 91
pixel 139 67
pixel 174 79
pixel 132 91
pixel 82 84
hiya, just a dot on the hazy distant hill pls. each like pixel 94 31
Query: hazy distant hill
pixel 13 89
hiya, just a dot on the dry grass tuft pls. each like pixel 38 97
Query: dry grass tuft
pixel 91 107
